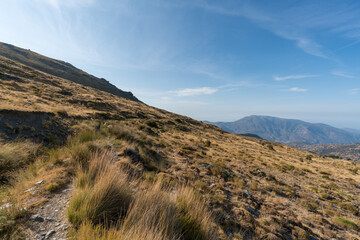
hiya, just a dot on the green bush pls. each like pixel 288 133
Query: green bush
pixel 348 223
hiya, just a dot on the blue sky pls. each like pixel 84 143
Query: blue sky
pixel 210 60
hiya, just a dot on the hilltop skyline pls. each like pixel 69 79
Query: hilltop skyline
pixel 209 61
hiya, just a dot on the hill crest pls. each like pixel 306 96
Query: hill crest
pixel 60 69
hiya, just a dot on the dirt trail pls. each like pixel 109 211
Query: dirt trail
pixel 49 221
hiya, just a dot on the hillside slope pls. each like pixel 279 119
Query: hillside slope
pixel 138 172
pixel 346 151
pixel 289 130
pixel 60 69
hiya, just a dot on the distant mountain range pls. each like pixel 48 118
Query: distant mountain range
pixel 60 69
pixel 351 130
pixel 290 130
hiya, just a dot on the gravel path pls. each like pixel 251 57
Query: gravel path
pixel 49 221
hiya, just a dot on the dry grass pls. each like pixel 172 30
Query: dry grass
pixel 103 193
pixel 195 220
pixel 15 155
pixel 104 196
pixel 153 212
pixel 158 214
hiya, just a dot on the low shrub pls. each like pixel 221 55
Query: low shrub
pixel 346 223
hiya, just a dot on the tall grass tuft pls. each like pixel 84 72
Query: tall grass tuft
pixel 193 217
pixel 15 155
pixel 103 193
pixel 157 213
pixel 153 211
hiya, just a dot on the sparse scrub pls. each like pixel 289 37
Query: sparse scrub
pixel 354 170
pixel 285 167
pixel 87 136
pixel 310 204
pixel 201 185
pixel 80 153
pixel 350 207
pixel 152 123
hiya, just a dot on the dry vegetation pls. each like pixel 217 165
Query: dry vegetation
pixel 143 173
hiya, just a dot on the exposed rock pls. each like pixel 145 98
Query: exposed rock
pixel 246 192
pixel 230 234
pixel 35 192
pixel 29 190
pixel 37 218
pixel 49 234
pixel 50 219
pixel 39 182
pixel 6 205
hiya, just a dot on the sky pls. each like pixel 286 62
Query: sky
pixel 208 59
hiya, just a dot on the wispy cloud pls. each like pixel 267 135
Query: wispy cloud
pixel 211 90
pixel 342 74
pixel 296 89
pixel 195 91
pixel 354 91
pixel 283 78
pixel 67 3
pixel 165 98
pixel 290 30
pixel 299 22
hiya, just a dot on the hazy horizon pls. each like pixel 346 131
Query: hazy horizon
pixel 209 61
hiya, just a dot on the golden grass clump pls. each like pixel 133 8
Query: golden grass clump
pixel 157 213
pixel 105 206
pixel 14 155
pixel 152 211
pixel 193 216
pixel 103 193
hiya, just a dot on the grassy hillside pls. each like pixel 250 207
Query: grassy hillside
pixel 137 172
pixel 60 69
pixel 345 151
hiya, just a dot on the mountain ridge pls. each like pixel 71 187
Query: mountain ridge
pixel 60 69
pixel 289 130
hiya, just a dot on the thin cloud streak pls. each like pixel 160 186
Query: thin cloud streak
pixel 354 91
pixel 211 90
pixel 296 89
pixel 292 25
pixel 284 78
pixel 67 3
pixel 195 91
pixel 273 24
pixel 341 74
